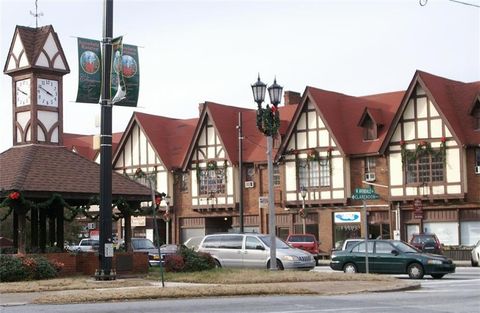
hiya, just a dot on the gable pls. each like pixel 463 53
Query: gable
pixel 420 119
pixel 17 57
pixel 208 145
pixel 50 55
pixel 310 131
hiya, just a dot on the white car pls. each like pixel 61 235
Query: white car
pixel 476 254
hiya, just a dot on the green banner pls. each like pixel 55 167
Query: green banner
pixel 131 75
pixel 89 71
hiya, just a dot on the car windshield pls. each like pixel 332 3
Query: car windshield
pixel 279 243
pixel 403 247
pixel 142 244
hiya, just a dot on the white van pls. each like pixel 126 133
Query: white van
pixel 253 251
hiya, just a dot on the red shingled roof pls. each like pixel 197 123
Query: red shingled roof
pixel 342 113
pixel 169 137
pixel 83 144
pixel 33 40
pixel 454 99
pixel 39 169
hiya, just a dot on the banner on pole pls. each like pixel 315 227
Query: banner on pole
pixel 117 84
pixel 131 75
pixel 89 71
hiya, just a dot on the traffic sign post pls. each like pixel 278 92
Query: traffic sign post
pixel 365 194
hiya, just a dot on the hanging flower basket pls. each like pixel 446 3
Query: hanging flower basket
pixel 312 155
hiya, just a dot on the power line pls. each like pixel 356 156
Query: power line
pixel 424 3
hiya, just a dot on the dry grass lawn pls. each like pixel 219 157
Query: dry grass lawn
pixel 219 282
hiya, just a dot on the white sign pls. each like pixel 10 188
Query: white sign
pixel 346 217
pixel 263 202
pixel 109 250
pixel 91 225
pixel 135 221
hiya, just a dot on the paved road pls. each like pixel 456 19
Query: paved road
pixel 457 293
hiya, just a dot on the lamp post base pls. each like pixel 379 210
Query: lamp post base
pixel 100 275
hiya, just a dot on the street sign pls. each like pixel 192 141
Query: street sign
pixel 365 194
pixel 263 202
pixel 417 208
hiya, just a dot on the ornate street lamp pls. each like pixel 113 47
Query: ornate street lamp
pixel 167 220
pixel 303 193
pixel 268 122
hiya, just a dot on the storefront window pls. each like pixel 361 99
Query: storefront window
pixel 346 231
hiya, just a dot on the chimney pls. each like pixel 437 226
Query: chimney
pixel 291 97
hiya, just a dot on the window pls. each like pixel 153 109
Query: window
pixel 212 181
pixel 477 157
pixel 276 175
pixel 383 247
pixel 184 182
pixel 361 247
pixel 370 163
pixel 314 173
pixel 146 180
pixel 476 116
pixel 251 243
pixel 425 169
pixel 369 129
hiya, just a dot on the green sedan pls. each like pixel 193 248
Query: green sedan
pixel 391 257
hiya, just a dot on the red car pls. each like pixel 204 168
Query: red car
pixel 427 243
pixel 306 242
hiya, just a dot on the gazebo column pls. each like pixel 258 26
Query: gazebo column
pixel 59 216
pixel 43 230
pixel 15 230
pixel 34 228
pixel 51 229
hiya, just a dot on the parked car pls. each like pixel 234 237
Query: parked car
pixel 347 244
pixel 391 257
pixel 476 254
pixel 86 245
pixel 193 242
pixel 427 243
pixel 253 251
pixel 306 242
pixel 146 245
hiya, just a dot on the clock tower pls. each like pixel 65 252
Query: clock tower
pixel 36 63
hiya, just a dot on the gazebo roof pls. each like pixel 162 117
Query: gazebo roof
pixel 40 170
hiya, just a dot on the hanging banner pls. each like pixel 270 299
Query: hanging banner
pixel 89 71
pixel 117 84
pixel 131 75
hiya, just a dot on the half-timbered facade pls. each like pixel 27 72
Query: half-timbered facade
pixel 433 134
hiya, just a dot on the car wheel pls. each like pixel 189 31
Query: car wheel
pixel 350 268
pixel 217 264
pixel 474 264
pixel 279 265
pixel 437 276
pixel 415 271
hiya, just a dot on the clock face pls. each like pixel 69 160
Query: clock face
pixel 47 92
pixel 22 92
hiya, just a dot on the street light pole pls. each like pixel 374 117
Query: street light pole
pixel 105 252
pixel 303 193
pixel 268 122
pixel 167 220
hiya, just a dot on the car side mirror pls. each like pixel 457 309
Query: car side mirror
pixel 259 247
pixel 395 252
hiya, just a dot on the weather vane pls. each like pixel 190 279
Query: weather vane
pixel 36 14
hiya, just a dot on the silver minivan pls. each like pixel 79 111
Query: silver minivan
pixel 252 251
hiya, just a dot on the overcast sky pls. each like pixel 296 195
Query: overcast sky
pixel 196 51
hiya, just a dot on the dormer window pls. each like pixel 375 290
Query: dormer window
pixel 369 129
pixel 476 116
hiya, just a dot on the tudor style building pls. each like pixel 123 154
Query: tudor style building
pixel 410 145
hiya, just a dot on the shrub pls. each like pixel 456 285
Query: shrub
pixel 174 263
pixel 11 269
pixel 196 261
pixel 18 268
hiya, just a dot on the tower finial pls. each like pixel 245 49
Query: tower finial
pixel 36 14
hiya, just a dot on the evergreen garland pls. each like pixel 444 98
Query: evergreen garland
pixel 268 120
pixel 423 148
